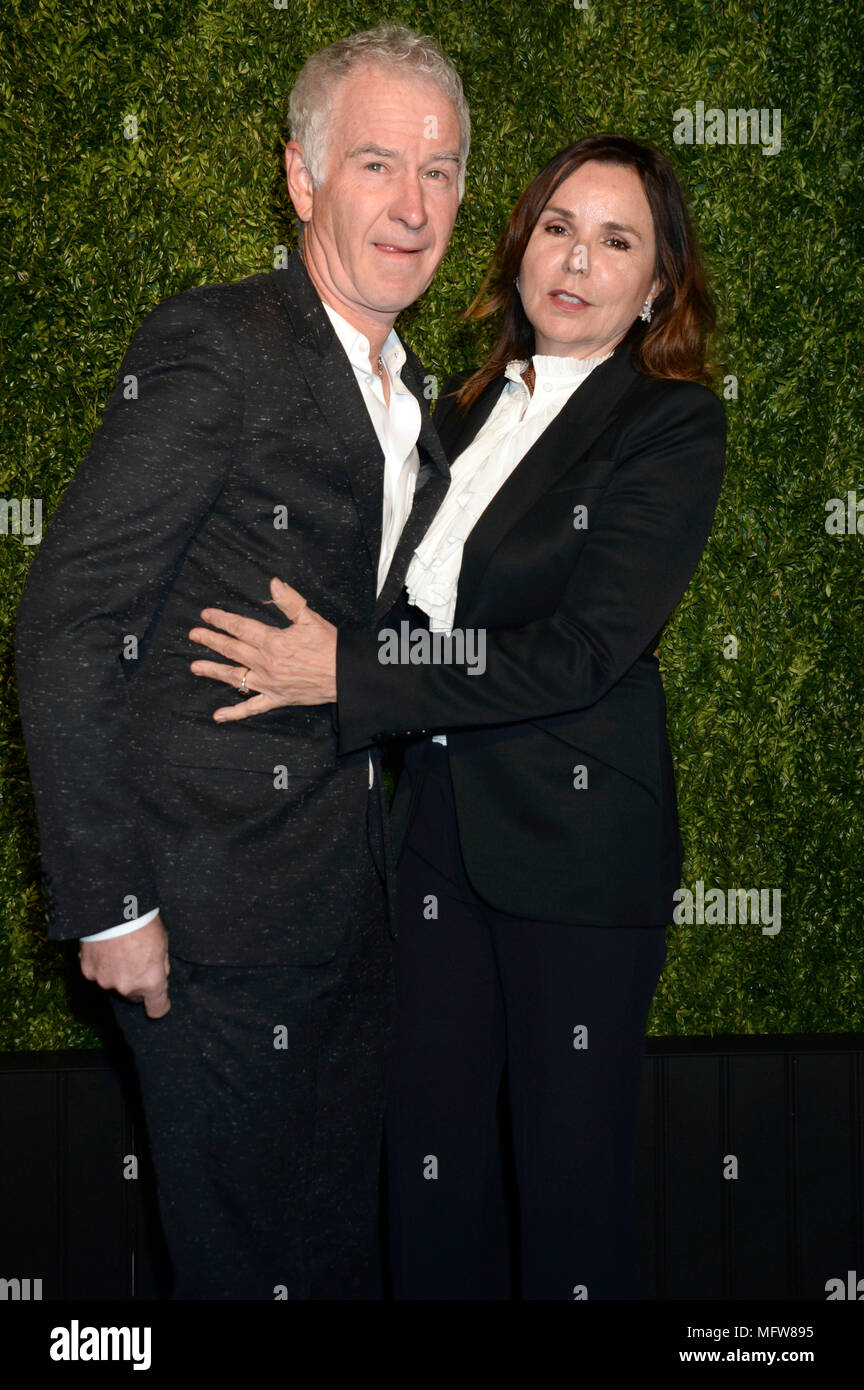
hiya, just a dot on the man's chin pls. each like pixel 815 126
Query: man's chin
pixel 393 294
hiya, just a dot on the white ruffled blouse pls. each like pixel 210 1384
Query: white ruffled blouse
pixel 516 421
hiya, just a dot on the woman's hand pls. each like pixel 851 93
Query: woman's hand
pixel 283 666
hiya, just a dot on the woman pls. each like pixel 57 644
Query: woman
pixel 536 819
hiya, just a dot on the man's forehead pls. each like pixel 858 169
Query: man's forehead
pixel 394 103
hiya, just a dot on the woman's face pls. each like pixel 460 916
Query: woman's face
pixel 589 265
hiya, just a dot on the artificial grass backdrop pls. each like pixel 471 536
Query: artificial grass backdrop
pixel 100 227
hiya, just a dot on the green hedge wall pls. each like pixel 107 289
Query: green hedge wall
pixel 99 227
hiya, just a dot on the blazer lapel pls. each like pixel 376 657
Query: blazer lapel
pixel 457 431
pixel 433 480
pixel 558 450
pixel 333 385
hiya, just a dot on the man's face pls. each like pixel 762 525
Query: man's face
pixel 379 224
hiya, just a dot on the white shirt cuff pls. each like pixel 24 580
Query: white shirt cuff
pixel 124 927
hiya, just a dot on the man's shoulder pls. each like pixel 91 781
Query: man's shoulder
pixel 231 300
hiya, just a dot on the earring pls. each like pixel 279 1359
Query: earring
pixel 646 313
pixel 517 282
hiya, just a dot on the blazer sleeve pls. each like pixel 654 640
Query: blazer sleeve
pixel 153 470
pixel 645 541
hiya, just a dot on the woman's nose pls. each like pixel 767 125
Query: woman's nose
pixel 577 257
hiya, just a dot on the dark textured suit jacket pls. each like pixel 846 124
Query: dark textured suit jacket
pixel 236 445
pixel 572 618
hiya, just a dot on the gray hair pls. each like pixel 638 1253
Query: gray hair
pixel 390 46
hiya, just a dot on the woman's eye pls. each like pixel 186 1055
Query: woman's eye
pixel 618 242
pixel 556 227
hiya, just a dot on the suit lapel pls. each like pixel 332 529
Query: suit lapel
pixel 428 441
pixel 432 483
pixel 333 385
pixel 558 450
pixel 331 380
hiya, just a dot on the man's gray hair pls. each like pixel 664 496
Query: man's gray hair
pixel 388 46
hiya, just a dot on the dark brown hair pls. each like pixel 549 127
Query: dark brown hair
pixel 675 342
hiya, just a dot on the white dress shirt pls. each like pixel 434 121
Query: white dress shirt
pixel 397 427
pixel 515 423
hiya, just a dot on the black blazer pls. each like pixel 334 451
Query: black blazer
pixel 572 617
pixel 235 446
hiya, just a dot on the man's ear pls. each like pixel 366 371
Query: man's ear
pixel 299 181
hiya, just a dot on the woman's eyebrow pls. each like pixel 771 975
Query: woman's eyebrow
pixel 607 226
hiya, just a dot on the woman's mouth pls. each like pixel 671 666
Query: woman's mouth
pixel 569 303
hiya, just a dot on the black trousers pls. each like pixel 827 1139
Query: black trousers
pixel 264 1092
pixel 557 1014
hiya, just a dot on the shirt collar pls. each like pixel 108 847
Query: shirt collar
pixel 356 344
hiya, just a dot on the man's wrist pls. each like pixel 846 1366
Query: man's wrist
pixel 124 928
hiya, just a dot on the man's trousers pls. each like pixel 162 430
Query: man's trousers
pixel 263 1091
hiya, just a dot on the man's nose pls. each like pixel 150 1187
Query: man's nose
pixel 409 204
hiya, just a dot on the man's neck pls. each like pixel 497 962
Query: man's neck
pixel 376 329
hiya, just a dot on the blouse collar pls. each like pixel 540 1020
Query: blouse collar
pixel 561 370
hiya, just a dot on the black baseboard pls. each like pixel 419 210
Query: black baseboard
pixel 750 1171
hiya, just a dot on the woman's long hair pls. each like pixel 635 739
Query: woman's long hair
pixel 675 343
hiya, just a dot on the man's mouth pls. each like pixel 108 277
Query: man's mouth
pixel 390 250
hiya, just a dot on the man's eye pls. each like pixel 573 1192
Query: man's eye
pixel 375 164
pixel 439 174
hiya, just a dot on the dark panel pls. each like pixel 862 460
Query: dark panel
pixel 793 1218
pixel 759 1134
pixel 649 1181
pixel 826 1197
pixel 858 1155
pixel 97 1204
pixel 29 1179
pixel 695 1227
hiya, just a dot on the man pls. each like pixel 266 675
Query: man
pixel 273 425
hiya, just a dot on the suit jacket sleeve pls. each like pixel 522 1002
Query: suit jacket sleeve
pixel 151 474
pixel 645 540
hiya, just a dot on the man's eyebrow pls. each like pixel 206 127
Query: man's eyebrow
pixel 392 154
pixel 607 226
pixel 371 149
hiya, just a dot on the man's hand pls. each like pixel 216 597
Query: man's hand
pixel 135 965
pixel 286 666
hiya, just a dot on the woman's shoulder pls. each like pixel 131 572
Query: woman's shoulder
pixel 664 402
pixel 677 394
